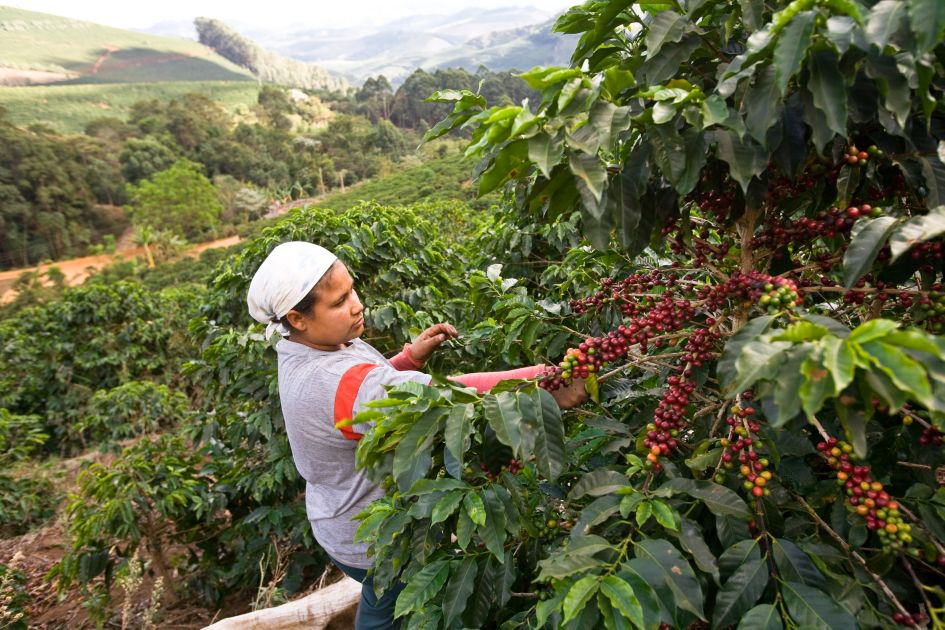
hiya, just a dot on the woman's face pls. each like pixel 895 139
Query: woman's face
pixel 336 318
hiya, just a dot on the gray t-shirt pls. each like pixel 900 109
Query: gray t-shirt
pixel 334 491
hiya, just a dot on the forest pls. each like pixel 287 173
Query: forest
pixel 725 219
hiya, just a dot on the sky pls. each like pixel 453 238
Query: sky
pixel 269 13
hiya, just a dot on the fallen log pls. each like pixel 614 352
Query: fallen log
pixel 312 612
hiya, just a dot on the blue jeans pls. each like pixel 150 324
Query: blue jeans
pixel 373 613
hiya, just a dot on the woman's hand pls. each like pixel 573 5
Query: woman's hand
pixel 570 396
pixel 429 340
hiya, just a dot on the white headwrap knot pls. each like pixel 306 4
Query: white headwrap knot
pixel 283 279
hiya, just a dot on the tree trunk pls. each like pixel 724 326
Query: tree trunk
pixel 312 612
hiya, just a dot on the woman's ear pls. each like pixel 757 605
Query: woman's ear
pixel 297 320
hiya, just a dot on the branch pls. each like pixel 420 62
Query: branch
pixel 853 554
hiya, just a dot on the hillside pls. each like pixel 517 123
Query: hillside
pixel 42 48
pixel 265 65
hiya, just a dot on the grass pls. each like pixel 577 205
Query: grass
pixel 67 108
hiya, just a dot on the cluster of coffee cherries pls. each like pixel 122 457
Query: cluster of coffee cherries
pixel 855 157
pixel 753 286
pixel 550 525
pixel 740 446
pixel 866 496
pixel 513 467
pixel 625 291
pixel 702 249
pixel 780 233
pixel 913 620
pixel 716 203
pixel 669 419
pixel 586 359
pixel 932 308
pixel 931 437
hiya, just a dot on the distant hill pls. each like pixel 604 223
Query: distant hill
pixel 501 39
pixel 42 48
pixel 267 66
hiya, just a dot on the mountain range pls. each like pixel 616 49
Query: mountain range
pixel 501 39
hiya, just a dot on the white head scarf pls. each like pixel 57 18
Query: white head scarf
pixel 283 279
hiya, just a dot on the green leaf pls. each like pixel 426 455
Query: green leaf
pixel 907 373
pixel 787 384
pixel 456 437
pixel 761 617
pixel 752 13
pixel 679 576
pixel 493 530
pixel 827 86
pixel 503 415
pixel 818 385
pixel 795 565
pixel 475 508
pixel 666 27
pixel 791 47
pixel 812 607
pixel 664 515
pixel 759 360
pixel 738 554
pixel 598 483
pixel 548 433
pixel 461 585
pixel 933 171
pixel 927 18
pixel 867 238
pixel 720 500
pixel 714 111
pixel 510 163
pixel 679 157
pixel 802 330
pixel 740 592
pixel 884 20
pixel 578 595
pixel 480 603
pixel 847 182
pixel 762 104
pixel 545 151
pixel 412 458
pixel 445 507
pixel 624 599
pixel 599 510
pixel 745 158
pixel 725 367
pixel 917 230
pixel 872 330
pixel 422 587
pixel 839 360
pixel 854 427
pixel 692 540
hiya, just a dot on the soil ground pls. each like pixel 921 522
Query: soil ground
pixel 77 270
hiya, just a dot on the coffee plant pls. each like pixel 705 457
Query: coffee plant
pixel 764 445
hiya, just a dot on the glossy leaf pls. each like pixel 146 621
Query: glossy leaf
pixel 503 415
pixel 812 607
pixel 719 499
pixel 761 617
pixel 422 587
pixel 917 230
pixel 598 483
pixel 867 238
pixel 460 587
pixel 745 158
pixel 740 592
pixel 679 576
pixel 827 87
pixel 456 437
pixel 791 47
pixel 623 598
pixel 578 596
pixel 927 18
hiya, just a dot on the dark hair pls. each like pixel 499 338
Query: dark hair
pixel 307 303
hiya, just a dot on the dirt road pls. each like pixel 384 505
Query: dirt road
pixel 77 270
